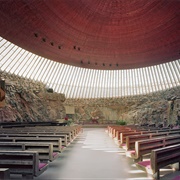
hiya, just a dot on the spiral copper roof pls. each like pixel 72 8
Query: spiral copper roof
pixel 95 34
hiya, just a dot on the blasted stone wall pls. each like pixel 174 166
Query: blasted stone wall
pixel 153 108
pixel 29 101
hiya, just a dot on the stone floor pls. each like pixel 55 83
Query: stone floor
pixel 95 156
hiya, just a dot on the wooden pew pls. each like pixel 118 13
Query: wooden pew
pixel 112 130
pixel 57 144
pixel 117 134
pixel 45 150
pixel 23 132
pixel 4 174
pixel 160 158
pixel 130 140
pixel 145 147
pixel 63 137
pixel 70 134
pixel 124 135
pixel 75 129
pixel 67 134
pixel 72 130
pixel 22 162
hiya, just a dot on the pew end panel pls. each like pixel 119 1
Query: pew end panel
pixel 144 147
pixel 130 140
pixel 4 173
pixel 45 150
pixel 25 163
pixel 164 157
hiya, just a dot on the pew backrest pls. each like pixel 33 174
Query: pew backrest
pixel 146 146
pixel 45 150
pixel 57 142
pixel 123 136
pixel 22 162
pixel 117 135
pixel 24 132
pixel 164 156
pixel 63 137
pixel 130 140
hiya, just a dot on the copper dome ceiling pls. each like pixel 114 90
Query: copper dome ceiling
pixel 96 34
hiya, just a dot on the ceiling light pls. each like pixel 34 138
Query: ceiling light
pixel 44 39
pixel 36 34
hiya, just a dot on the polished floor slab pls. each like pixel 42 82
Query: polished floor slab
pixel 93 156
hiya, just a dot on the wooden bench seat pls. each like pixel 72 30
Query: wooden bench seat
pixel 160 158
pixel 63 137
pixel 22 162
pixel 124 135
pixel 23 132
pixel 112 130
pixel 45 150
pixel 70 134
pixel 130 140
pixel 117 134
pixel 145 147
pixel 73 131
pixel 57 144
pixel 4 174
pixel 67 134
pixel 115 131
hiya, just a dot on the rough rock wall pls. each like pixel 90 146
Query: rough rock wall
pixel 28 101
pixel 152 108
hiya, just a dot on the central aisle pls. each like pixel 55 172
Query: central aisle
pixel 93 155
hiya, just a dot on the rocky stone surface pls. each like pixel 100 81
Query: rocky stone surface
pixel 152 108
pixel 29 101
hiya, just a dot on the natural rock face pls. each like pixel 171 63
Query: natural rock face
pixel 153 108
pixel 29 101
pixel 55 107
